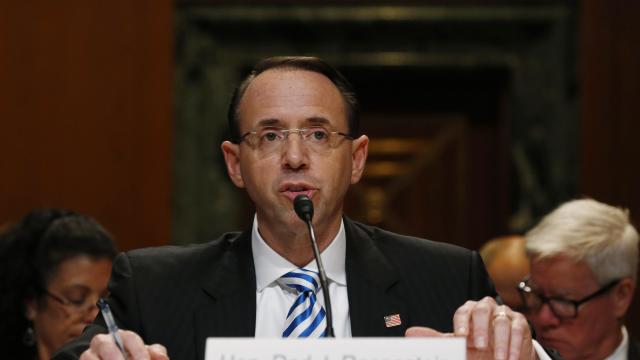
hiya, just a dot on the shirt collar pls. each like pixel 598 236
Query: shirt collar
pixel 621 351
pixel 270 266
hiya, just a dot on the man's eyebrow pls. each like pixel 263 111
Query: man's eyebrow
pixel 314 120
pixel 317 120
pixel 267 122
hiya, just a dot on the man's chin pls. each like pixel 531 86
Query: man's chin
pixel 290 220
pixel 561 346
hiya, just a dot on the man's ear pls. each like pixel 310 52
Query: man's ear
pixel 231 154
pixel 359 152
pixel 622 296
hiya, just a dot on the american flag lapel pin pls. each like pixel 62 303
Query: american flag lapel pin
pixel 392 320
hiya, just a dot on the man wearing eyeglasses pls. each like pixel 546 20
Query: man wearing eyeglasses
pixel 294 130
pixel 584 261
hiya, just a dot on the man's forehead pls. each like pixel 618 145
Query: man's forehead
pixel 290 82
pixel 562 274
pixel 276 94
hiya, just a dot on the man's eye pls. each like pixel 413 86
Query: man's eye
pixel 319 134
pixel 270 136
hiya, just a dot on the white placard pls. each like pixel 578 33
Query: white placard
pixel 449 348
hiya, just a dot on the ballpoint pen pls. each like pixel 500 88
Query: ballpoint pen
pixel 111 325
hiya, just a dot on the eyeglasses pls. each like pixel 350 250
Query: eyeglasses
pixel 76 305
pixel 271 139
pixel 562 308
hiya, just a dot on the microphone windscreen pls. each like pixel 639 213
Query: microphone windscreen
pixel 303 207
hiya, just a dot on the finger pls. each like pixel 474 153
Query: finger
pixel 480 322
pixel 104 347
pixel 158 352
pixel 88 355
pixel 134 345
pixel 419 331
pixel 520 337
pixel 461 318
pixel 502 327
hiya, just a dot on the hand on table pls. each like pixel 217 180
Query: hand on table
pixel 493 331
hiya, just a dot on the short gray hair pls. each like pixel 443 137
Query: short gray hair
pixel 590 231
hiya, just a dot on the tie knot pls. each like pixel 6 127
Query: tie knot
pixel 301 280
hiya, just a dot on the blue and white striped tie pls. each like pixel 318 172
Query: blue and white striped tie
pixel 306 317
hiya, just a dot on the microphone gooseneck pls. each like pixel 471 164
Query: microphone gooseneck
pixel 303 207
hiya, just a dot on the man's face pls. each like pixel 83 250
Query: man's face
pixel 293 99
pixel 595 332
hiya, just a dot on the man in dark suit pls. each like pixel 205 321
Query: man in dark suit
pixel 294 129
pixel 633 353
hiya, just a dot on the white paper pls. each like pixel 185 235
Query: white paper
pixel 449 348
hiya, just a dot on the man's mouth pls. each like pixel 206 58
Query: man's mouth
pixel 293 190
pixel 550 341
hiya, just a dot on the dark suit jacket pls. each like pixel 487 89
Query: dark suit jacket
pixel 179 296
pixel 633 353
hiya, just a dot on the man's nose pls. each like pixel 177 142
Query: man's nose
pixel 545 317
pixel 295 153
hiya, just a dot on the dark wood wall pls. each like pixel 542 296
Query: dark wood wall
pixel 610 102
pixel 86 113
pixel 610 109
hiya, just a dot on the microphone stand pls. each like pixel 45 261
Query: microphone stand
pixel 304 209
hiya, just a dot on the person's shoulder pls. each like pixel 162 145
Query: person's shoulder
pixel 182 256
pixel 408 244
pixel 451 271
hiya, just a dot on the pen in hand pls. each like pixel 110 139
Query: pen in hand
pixel 111 325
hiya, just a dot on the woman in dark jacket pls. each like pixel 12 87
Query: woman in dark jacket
pixel 54 265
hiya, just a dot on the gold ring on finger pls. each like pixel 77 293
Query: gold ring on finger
pixel 501 314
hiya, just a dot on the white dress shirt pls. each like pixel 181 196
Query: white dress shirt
pixel 621 351
pixel 274 300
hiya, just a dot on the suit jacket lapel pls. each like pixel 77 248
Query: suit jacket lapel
pixel 370 280
pixel 228 303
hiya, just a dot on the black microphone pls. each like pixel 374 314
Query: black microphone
pixel 304 209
